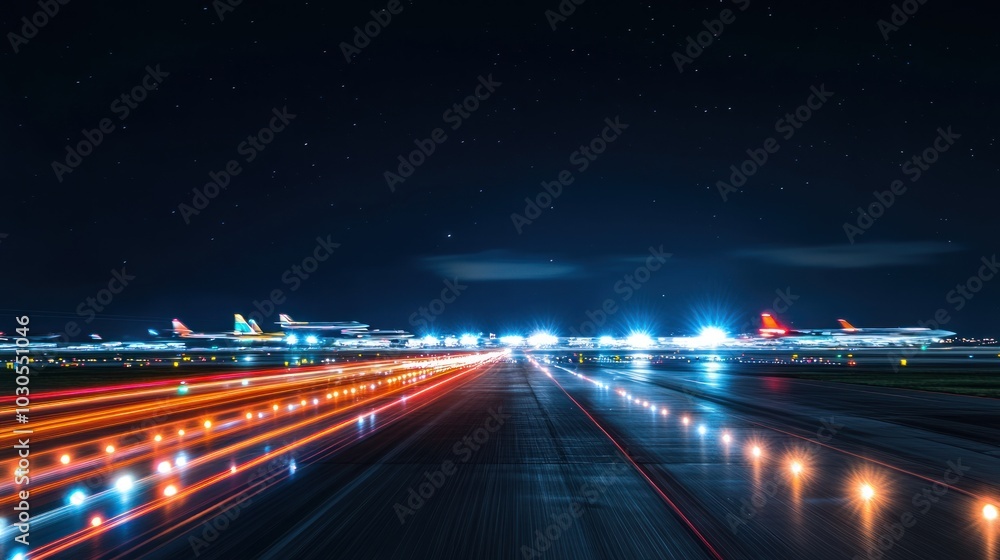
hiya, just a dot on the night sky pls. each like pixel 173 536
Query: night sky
pixel 655 185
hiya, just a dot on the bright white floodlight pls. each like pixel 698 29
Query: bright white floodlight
pixel 468 340
pixel 512 340
pixel 639 340
pixel 542 339
pixel 711 336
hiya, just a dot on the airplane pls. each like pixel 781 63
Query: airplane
pixel 922 332
pixel 379 334
pixel 850 334
pixel 31 338
pixel 251 330
pixel 341 330
pixel 346 327
pixel 182 331
pixel 374 339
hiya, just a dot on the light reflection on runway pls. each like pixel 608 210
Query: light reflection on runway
pixel 727 466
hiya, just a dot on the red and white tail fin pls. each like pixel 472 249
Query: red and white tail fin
pixel 771 326
pixel 180 329
pixel 846 325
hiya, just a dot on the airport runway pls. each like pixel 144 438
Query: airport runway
pixel 908 446
pixel 494 457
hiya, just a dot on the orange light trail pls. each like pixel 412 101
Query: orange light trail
pixel 185 408
pixel 460 367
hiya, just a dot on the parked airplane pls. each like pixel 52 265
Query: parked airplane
pixel 287 323
pixel 378 334
pixel 181 330
pixel 251 331
pixel 922 332
pixel 850 334
pixel 31 338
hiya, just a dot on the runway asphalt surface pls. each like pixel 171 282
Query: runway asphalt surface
pixel 525 458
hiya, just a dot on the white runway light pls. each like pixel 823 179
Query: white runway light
pixel 124 484
pixel 77 498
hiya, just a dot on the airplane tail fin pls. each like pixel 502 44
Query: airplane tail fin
pixel 240 325
pixel 771 326
pixel 256 328
pixel 179 328
pixel 769 321
pixel 846 325
pixel 282 318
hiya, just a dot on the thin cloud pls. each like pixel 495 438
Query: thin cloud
pixel 861 255
pixel 497 266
